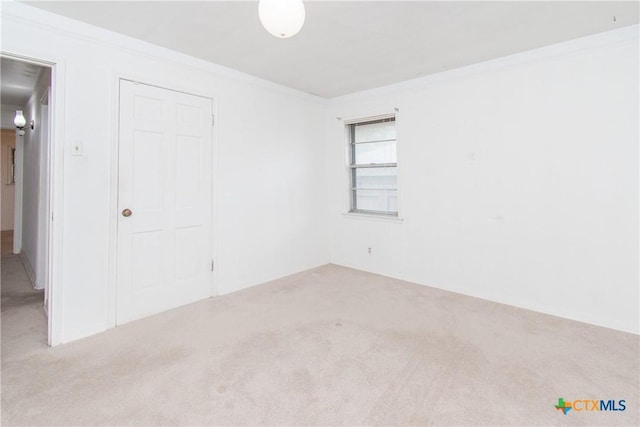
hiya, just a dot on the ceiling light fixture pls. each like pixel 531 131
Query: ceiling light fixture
pixel 20 122
pixel 282 18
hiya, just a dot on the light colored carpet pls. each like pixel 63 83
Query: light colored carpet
pixel 329 346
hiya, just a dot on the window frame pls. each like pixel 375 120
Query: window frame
pixel 350 127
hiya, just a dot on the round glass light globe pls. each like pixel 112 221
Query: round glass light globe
pixel 19 120
pixel 282 18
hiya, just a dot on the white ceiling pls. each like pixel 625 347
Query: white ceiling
pixel 346 47
pixel 17 82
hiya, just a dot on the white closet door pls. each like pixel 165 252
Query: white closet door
pixel 164 200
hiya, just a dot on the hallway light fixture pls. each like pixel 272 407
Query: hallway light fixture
pixel 281 18
pixel 20 122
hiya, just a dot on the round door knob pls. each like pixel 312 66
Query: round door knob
pixel 126 213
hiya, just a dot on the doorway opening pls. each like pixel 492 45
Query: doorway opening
pixel 25 174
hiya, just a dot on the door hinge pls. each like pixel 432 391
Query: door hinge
pixel 212 265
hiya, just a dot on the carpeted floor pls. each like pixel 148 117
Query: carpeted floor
pixel 329 346
pixel 6 242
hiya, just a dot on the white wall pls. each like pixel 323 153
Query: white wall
pixel 7 190
pixel 518 181
pixel 33 193
pixel 271 204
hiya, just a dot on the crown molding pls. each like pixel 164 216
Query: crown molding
pixel 579 46
pixel 25 15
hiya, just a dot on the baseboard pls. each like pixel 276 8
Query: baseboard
pixel 568 315
pixel 30 273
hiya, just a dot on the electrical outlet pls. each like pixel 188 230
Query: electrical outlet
pixel 369 250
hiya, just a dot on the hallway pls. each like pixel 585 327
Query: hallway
pixel 24 322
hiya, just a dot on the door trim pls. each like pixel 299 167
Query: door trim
pixel 117 76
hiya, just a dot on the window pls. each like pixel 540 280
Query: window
pixel 373 168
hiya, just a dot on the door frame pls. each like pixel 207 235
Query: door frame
pixel 117 76
pixel 43 105
pixel 53 280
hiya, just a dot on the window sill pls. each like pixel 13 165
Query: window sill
pixel 373 217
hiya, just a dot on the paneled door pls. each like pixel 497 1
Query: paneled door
pixel 164 200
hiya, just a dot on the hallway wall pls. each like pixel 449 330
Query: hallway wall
pixel 33 191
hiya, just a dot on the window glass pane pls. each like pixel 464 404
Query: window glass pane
pixel 374 189
pixel 378 152
pixel 376 178
pixel 377 200
pixel 375 131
